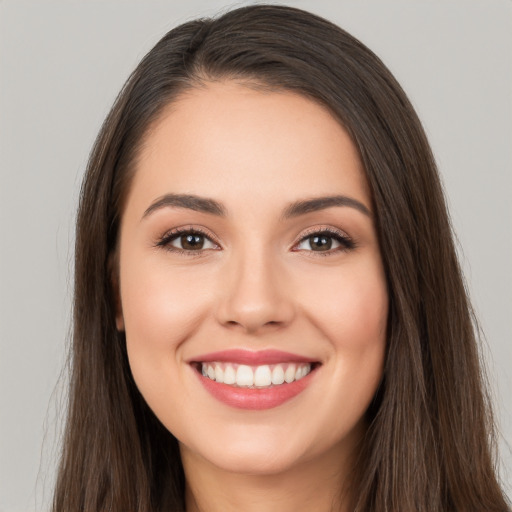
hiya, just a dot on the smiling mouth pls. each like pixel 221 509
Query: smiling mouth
pixel 254 377
pixel 254 380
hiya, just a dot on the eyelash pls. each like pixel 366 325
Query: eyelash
pixel 346 243
pixel 166 240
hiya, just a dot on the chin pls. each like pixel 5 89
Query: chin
pixel 264 450
pixel 246 460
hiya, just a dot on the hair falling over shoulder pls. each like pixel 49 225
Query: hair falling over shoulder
pixel 430 444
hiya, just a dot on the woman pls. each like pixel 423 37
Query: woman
pixel 269 312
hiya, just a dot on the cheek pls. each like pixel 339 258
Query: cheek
pixel 160 307
pixel 350 305
pixel 350 309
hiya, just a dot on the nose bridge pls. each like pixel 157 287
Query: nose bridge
pixel 255 294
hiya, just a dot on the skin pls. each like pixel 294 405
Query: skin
pixel 258 283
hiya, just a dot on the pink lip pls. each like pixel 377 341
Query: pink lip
pixel 247 398
pixel 255 399
pixel 251 358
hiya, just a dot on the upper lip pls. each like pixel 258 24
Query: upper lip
pixel 251 358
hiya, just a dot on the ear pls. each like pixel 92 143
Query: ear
pixel 113 270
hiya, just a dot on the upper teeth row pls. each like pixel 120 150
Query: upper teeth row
pixel 255 376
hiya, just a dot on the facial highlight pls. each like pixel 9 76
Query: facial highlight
pixel 251 285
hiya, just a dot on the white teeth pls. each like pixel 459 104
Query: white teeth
pixel 244 376
pixel 300 373
pixel 229 375
pixel 289 374
pixel 219 373
pixel 277 375
pixel 263 376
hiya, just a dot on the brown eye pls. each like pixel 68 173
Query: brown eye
pixel 187 241
pixel 192 242
pixel 328 242
pixel 320 243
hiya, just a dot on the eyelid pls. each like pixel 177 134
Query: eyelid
pixel 346 242
pixel 165 239
pixel 322 229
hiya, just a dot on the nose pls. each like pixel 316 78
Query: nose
pixel 255 294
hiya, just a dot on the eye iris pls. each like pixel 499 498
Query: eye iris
pixel 192 242
pixel 320 243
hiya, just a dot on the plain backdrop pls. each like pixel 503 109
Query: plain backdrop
pixel 61 66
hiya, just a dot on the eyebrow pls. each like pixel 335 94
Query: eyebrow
pixel 295 209
pixel 321 203
pixel 191 202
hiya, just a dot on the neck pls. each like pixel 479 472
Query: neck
pixel 320 484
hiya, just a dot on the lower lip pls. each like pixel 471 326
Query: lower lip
pixel 255 399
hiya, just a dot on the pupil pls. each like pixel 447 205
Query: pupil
pixel 323 243
pixel 193 242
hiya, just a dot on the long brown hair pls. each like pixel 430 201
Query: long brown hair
pixel 430 442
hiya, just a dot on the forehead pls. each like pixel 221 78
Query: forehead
pixel 231 141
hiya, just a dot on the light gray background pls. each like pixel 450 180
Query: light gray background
pixel 61 66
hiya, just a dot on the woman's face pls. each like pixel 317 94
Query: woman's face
pixel 248 253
